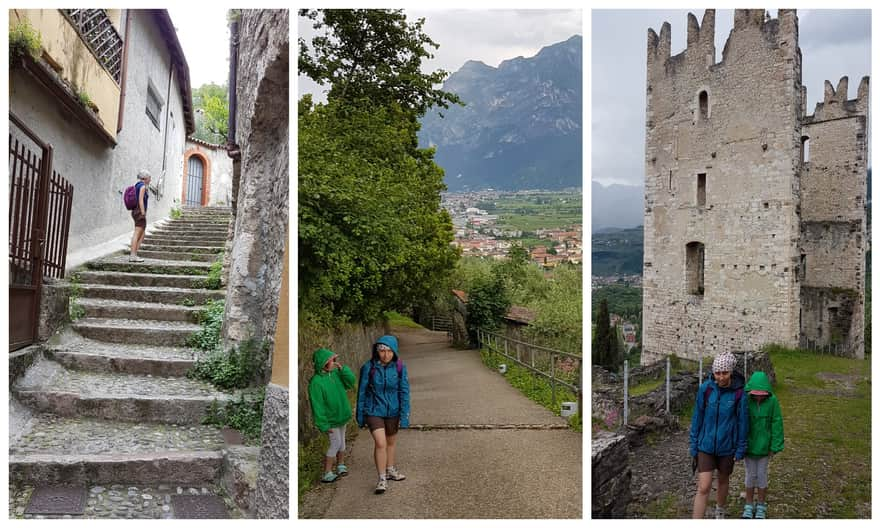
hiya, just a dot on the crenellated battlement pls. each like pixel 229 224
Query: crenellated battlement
pixel 835 104
pixel 700 50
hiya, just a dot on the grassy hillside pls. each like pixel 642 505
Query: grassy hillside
pixel 618 252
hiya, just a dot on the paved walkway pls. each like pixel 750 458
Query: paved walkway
pixel 456 467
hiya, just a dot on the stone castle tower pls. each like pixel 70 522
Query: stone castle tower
pixel 754 210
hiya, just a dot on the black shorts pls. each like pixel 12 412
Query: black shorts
pixel 707 462
pixel 391 425
pixel 139 219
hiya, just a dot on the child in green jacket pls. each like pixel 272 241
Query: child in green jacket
pixel 766 438
pixel 330 407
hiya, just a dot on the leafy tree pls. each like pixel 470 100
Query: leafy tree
pixel 487 304
pixel 603 344
pixel 373 54
pixel 372 235
pixel 559 320
pixel 211 106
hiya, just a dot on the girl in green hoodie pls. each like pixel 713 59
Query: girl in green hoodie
pixel 765 439
pixel 330 407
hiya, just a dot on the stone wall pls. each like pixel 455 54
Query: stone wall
pixel 54 307
pixel 271 500
pixel 611 476
pixel 723 173
pixel 261 221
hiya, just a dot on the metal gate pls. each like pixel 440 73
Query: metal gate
pixel 39 221
pixel 194 182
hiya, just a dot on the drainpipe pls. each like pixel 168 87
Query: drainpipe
pixel 232 147
pixel 167 113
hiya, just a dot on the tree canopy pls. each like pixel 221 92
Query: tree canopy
pixel 372 54
pixel 211 106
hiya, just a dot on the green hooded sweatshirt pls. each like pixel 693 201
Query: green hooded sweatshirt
pixel 330 405
pixel 765 419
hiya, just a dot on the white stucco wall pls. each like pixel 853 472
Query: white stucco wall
pixel 100 224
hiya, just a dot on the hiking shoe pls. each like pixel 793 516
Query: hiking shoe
pixel 381 486
pixel 393 474
pixel 135 259
pixel 329 477
pixel 761 511
pixel 719 512
pixel 342 470
pixel 748 512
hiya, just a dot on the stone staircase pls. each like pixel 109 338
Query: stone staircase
pixel 107 405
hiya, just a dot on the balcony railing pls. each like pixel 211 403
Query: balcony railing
pixel 100 36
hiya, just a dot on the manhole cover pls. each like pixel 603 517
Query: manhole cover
pixel 198 507
pixel 57 500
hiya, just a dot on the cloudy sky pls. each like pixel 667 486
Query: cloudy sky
pixel 833 43
pixel 204 37
pixel 490 36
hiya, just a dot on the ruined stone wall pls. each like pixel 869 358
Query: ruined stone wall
pixel 736 123
pixel 833 222
pixel 255 262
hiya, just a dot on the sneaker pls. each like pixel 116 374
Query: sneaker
pixel 719 512
pixel 393 474
pixel 381 486
pixel 748 512
pixel 329 477
pixel 761 510
pixel 135 259
pixel 342 470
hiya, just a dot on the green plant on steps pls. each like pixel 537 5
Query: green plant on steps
pixel 188 301
pixel 211 319
pixel 244 414
pixel 24 39
pixel 75 310
pixel 176 213
pixel 214 280
pixel 237 368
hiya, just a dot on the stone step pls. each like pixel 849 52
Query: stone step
pixel 176 242
pixel 213 250
pixel 114 309
pixel 140 279
pixel 198 231
pixel 67 450
pixel 149 294
pixel 48 387
pixel 188 240
pixel 161 333
pixel 177 255
pixel 120 263
pixel 75 352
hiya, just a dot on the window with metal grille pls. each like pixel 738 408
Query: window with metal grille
pixel 99 35
pixel 154 105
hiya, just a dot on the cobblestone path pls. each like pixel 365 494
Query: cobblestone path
pixel 106 406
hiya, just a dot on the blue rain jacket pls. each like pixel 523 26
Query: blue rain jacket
pixel 716 429
pixel 385 393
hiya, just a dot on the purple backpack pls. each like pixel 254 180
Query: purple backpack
pixel 129 197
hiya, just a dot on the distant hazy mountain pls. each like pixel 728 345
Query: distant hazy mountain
pixel 521 128
pixel 617 206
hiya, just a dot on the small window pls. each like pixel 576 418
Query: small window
pixel 704 105
pixel 694 266
pixel 805 149
pixel 701 190
pixel 154 105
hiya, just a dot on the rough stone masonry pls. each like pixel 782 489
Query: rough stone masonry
pixel 754 210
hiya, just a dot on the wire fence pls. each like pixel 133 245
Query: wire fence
pixel 560 369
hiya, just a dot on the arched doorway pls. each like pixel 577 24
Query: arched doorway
pixel 196 179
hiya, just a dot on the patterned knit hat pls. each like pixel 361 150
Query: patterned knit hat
pixel 723 362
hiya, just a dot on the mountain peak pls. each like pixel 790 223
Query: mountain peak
pixel 521 126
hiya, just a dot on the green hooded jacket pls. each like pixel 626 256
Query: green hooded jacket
pixel 330 405
pixel 765 419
